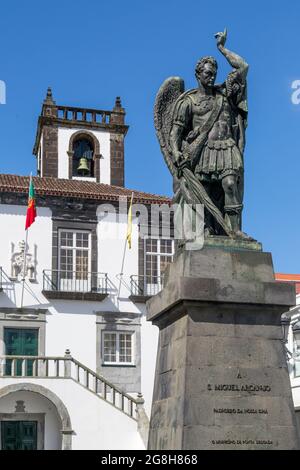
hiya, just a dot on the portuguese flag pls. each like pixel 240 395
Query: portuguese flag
pixel 31 210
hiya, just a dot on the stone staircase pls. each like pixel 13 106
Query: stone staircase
pixel 67 367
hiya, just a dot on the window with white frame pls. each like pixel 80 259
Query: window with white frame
pixel 118 347
pixel 158 254
pixel 74 254
pixel 296 347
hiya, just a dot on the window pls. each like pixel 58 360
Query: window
pixel 118 347
pixel 74 259
pixel 83 158
pixel 296 348
pixel 158 254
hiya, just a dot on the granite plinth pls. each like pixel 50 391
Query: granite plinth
pixel 232 244
pixel 221 375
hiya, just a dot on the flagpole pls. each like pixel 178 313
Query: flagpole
pixel 25 256
pixel 24 268
pixel 122 267
pixel 124 251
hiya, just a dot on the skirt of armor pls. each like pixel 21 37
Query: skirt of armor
pixel 220 157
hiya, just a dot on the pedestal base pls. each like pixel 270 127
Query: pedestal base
pixel 221 377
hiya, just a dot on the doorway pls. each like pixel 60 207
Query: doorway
pixel 20 342
pixel 18 435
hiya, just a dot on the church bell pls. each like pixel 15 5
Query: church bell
pixel 83 168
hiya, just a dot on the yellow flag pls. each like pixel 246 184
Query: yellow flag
pixel 129 223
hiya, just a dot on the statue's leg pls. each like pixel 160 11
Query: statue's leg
pixel 232 206
pixel 229 184
pixel 217 196
pixel 208 218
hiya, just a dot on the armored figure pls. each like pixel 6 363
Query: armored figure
pixel 202 137
pixel 18 262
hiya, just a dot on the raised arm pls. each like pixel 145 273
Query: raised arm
pixel 236 61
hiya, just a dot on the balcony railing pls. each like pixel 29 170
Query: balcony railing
pixel 145 286
pixel 84 284
pixel 95 116
pixel 69 368
pixel 1 279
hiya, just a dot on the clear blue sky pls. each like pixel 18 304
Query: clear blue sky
pixel 90 52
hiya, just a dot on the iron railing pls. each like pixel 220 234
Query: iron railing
pixel 67 367
pixel 74 281
pixel 145 286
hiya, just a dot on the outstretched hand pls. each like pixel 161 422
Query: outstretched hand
pixel 221 38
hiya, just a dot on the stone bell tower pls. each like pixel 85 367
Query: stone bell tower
pixel 81 143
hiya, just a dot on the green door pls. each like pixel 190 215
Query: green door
pixel 19 435
pixel 20 342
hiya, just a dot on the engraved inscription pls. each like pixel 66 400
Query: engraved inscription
pixel 241 411
pixel 242 442
pixel 238 388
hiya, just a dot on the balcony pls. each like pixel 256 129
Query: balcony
pixel 74 285
pixel 142 288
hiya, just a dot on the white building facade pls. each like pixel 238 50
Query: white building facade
pixel 77 355
pixel 292 338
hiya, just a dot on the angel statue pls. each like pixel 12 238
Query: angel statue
pixel 202 137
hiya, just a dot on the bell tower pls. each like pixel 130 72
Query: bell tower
pixel 81 143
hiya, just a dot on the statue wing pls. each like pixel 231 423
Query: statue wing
pixel 165 100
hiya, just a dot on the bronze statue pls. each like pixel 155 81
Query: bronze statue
pixel 202 137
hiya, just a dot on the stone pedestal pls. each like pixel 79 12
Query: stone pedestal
pixel 221 375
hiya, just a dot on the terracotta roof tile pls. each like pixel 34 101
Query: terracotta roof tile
pixel 76 189
pixel 289 278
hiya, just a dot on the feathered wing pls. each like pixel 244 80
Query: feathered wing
pixel 165 100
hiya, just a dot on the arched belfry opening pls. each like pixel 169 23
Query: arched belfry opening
pixel 84 154
pixel 83 157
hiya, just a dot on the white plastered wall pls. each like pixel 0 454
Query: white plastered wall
pixel 115 258
pixel 69 324
pixel 40 235
pixel 149 343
